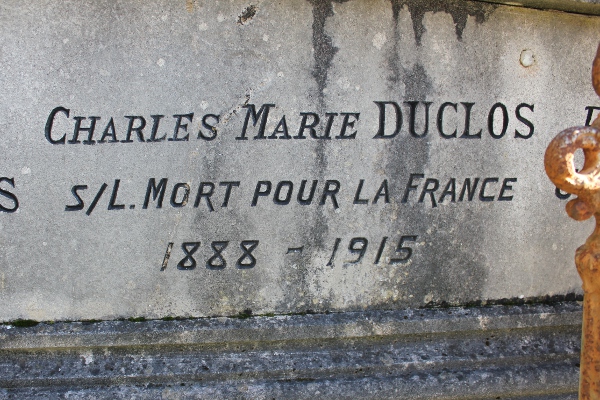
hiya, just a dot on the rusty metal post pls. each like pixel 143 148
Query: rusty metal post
pixel 585 184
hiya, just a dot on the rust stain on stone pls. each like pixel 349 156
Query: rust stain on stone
pixel 585 184
pixel 596 72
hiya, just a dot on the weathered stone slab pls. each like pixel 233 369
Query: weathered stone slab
pixel 159 158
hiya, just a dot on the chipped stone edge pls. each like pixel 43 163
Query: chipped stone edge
pixel 586 7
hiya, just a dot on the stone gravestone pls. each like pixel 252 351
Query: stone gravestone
pixel 233 186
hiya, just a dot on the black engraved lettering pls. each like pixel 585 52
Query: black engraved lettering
pixel 563 196
pixel 188 261
pixel 361 250
pixel 288 193
pixel 96 199
pixel 306 201
pixel 156 191
pixel 346 123
pixel 380 250
pixel 210 128
pixel 155 122
pixel 330 118
pixel 263 114
pixel 50 123
pixel 357 199
pixel 112 205
pixel 449 190
pixel 506 187
pixel 335 248
pixel 588 120
pixel 482 195
pixel 80 204
pixel 109 131
pixel 383 191
pixel 305 125
pixel 332 187
pixel 206 194
pixel 440 120
pixel 502 107
pixel 404 250
pixel 524 120
pixel 263 188
pixel 228 187
pixel 9 195
pixel 466 134
pixel 179 126
pixel 430 190
pixel 468 189
pixel 217 261
pixel 413 116
pixel 410 186
pixel 90 130
pixel 137 129
pixel 381 132
pixel 247 260
pixel 328 125
pixel 167 256
pixel 175 193
pixel 281 128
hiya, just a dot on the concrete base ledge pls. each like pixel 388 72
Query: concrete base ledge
pixel 507 352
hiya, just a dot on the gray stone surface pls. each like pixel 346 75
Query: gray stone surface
pixel 517 352
pixel 120 59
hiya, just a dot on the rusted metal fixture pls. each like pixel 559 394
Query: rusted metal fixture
pixel 585 184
